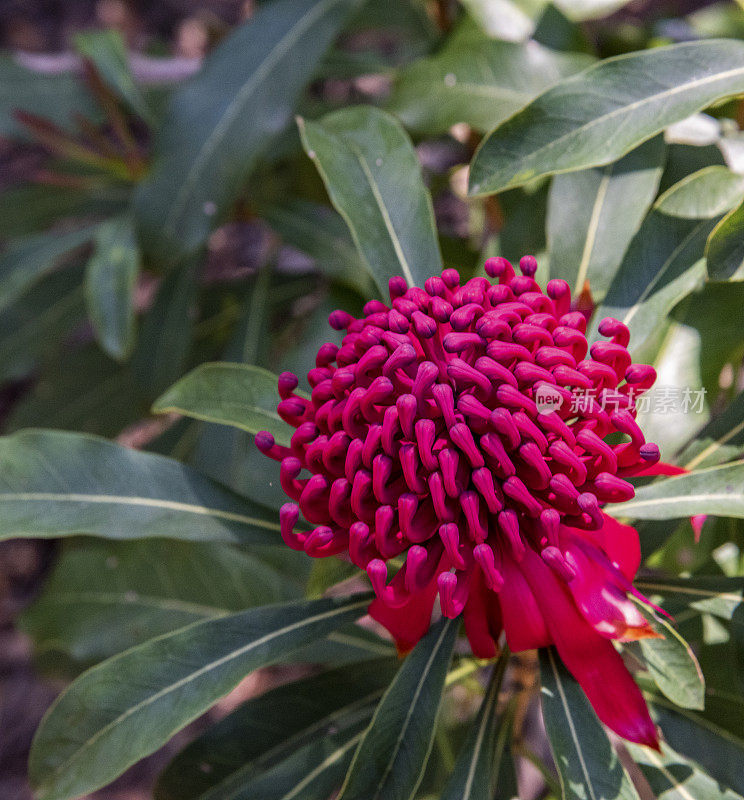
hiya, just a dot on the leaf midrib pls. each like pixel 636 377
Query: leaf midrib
pixel 88 743
pixel 572 727
pixel 397 246
pixel 411 708
pixel 626 109
pixel 133 500
pixel 279 50
pixel 648 289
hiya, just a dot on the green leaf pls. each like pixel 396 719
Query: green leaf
pixel 725 248
pixel 477 80
pixel 675 408
pixel 63 484
pixel 715 313
pixel 593 215
pixel 125 708
pixel 322 234
pixel 85 391
pixel 671 662
pixel 110 280
pixel 104 597
pixel 30 259
pixel 674 777
pixel 722 597
pixel 33 207
pixel 240 395
pixel 393 754
pixel 664 262
pixel 715 490
pixel 588 766
pixel 107 51
pixel 484 765
pixel 314 770
pixel 327 572
pixel 704 194
pixel 596 117
pixel 718 751
pixel 57 98
pixel 38 322
pixel 166 331
pixel 722 439
pixel 221 122
pixel 245 748
pixel 373 178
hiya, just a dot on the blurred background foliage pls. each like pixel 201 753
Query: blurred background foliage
pixel 177 187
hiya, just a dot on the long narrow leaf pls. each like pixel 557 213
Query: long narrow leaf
pixel 588 767
pixel 220 123
pixel 373 177
pixel 717 490
pixel 484 768
pixel 390 761
pixel 596 117
pixel 240 395
pixel 128 706
pixel 64 484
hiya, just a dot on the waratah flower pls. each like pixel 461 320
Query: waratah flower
pixel 465 428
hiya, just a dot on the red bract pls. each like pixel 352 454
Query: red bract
pixel 447 427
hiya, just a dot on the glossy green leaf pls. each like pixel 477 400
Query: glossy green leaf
pixel 674 777
pixel 665 260
pixel 125 708
pixel 596 117
pixel 672 663
pixel 477 80
pixel 717 750
pixel 588 766
pixel 312 771
pixel 484 769
pixel 246 747
pixel 722 439
pixel 391 758
pixel 107 50
pixel 715 490
pixel 373 178
pixel 593 215
pixel 725 248
pixel 327 572
pixel 62 484
pixel 715 313
pixel 104 597
pixel 110 280
pixel 28 260
pixel 710 594
pixel 707 193
pixel 57 98
pixel 223 119
pixel 232 394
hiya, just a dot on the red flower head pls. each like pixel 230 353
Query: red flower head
pixel 465 427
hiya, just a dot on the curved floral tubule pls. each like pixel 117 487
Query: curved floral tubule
pixel 466 427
